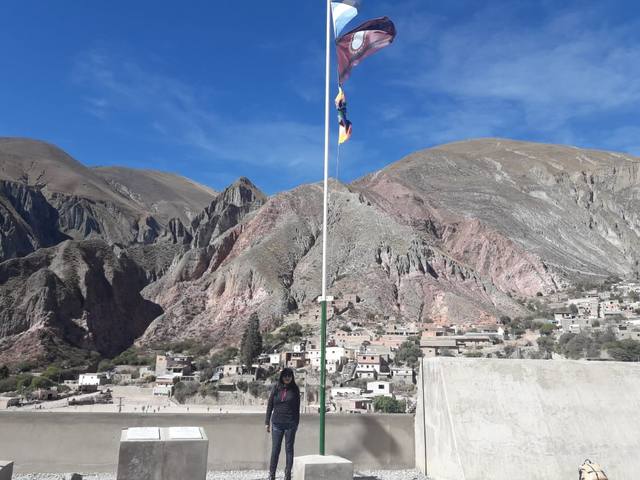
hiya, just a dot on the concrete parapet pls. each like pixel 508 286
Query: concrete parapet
pixel 495 419
pixel 59 443
pixel 153 453
pixel 6 470
pixel 322 467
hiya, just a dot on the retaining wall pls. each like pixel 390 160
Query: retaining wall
pixel 88 442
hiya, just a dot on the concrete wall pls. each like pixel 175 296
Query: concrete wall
pixel 481 419
pixel 64 442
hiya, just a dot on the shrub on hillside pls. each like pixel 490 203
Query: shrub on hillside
pixel 209 390
pixel 9 384
pixel 184 390
pixel 389 405
pixel 258 390
pixel 242 386
pixel 291 333
pixel 105 365
pixel 41 382
pixel 131 356
pixel 627 350
pixel 223 357
pixel 473 354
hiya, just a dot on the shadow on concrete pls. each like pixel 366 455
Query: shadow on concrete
pixel 374 438
pixel 358 477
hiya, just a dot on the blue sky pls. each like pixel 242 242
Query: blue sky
pixel 216 90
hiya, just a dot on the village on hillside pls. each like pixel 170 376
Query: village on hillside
pixel 372 361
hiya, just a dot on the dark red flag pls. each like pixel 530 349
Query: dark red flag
pixel 362 42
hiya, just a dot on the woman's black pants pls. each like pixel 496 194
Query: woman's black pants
pixel 278 431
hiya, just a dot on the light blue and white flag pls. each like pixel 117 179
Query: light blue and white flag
pixel 343 13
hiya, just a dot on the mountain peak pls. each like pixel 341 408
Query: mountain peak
pixel 242 191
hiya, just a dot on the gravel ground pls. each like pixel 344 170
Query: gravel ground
pixel 240 475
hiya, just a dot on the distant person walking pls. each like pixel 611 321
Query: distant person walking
pixel 283 416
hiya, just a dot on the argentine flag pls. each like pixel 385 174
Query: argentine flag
pixel 342 14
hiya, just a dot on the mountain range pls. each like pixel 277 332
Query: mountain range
pixel 95 259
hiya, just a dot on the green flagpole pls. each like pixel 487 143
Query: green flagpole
pixel 323 373
pixel 323 298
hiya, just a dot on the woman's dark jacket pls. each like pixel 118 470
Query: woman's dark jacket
pixel 284 404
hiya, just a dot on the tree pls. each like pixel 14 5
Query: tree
pixel 547 328
pixel 222 358
pixel 575 346
pixel 242 386
pixel 546 344
pixel 290 333
pixel 23 381
pixel 518 327
pixel 389 405
pixel 627 350
pixel 184 390
pixel 209 390
pixel 251 345
pixel 258 389
pixel 409 353
pixel 4 372
pixel 41 382
pixel 9 384
pixel 53 373
pixel 105 365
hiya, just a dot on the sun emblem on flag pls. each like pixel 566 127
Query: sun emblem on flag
pixel 357 41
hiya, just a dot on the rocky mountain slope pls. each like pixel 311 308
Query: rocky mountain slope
pixel 270 262
pixel 43 191
pixel 164 195
pixel 529 216
pixel 82 294
pixel 452 233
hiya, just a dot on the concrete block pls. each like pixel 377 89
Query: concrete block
pixel 322 467
pixel 6 470
pixel 154 453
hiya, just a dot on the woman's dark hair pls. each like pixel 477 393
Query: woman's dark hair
pixel 287 372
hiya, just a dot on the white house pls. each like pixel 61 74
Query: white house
pixel 366 373
pixel 587 306
pixel 146 372
pixel 378 389
pixel 334 359
pixel 274 359
pixel 610 307
pixel 91 381
pixel 344 392
pixel 402 374
pixel 163 389
pixel 231 370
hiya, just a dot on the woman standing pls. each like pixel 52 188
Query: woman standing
pixel 283 416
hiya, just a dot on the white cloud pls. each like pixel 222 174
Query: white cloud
pixel 176 112
pixel 501 72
